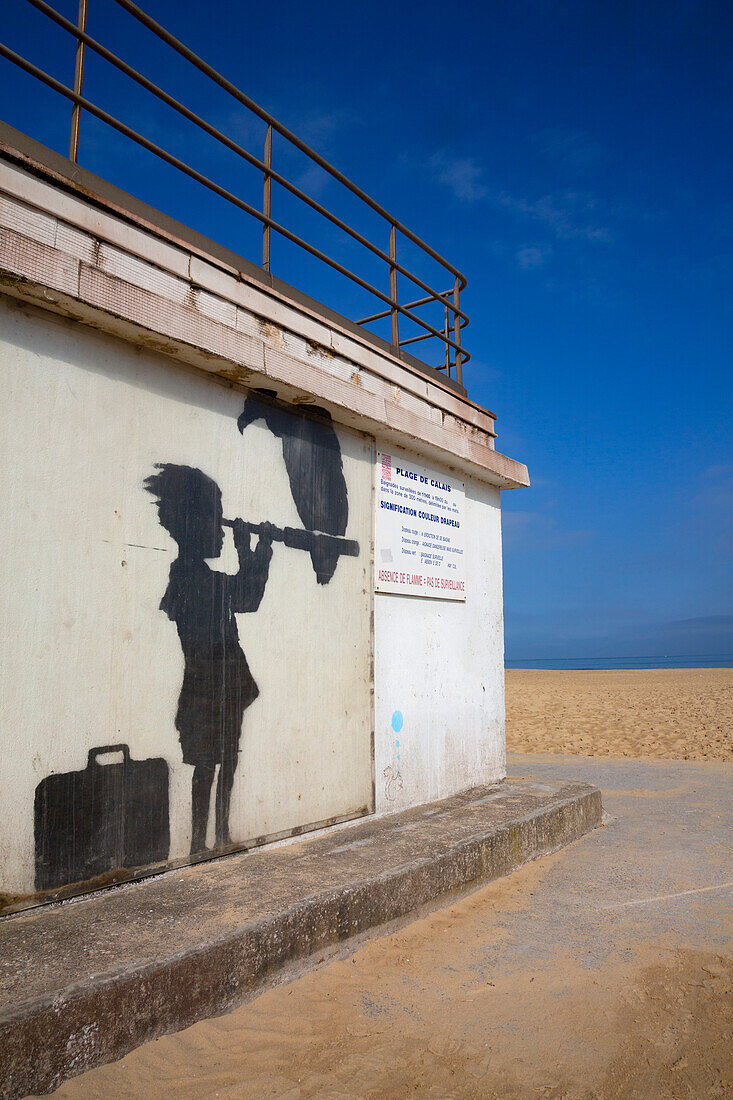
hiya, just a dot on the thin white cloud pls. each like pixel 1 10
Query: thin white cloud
pixel 533 256
pixel 314 181
pixel 568 215
pixel 317 128
pixel 462 175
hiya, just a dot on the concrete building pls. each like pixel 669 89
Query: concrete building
pixel 250 553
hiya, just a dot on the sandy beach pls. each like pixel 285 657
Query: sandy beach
pixel 670 714
pixel 601 970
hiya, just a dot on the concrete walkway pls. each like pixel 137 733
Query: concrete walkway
pixel 602 972
pixel 88 981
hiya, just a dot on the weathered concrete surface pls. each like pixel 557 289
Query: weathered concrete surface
pixel 602 972
pixel 85 982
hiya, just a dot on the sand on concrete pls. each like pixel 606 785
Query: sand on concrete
pixel 602 972
pixel 413 1016
pixel 672 714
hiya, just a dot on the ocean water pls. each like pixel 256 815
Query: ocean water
pixel 710 660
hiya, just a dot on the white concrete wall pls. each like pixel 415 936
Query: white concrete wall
pixel 87 658
pixel 440 665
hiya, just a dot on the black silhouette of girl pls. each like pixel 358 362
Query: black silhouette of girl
pixel 217 683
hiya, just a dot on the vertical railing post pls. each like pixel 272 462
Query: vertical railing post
pixel 446 309
pixel 78 84
pixel 393 286
pixel 457 330
pixel 267 202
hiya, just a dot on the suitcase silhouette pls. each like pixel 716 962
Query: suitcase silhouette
pixel 108 816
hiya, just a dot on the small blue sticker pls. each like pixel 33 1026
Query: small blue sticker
pixel 397 742
pixel 397 721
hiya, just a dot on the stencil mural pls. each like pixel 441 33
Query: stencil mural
pixel 217 684
pixel 114 815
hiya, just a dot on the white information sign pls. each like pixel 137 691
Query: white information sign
pixel 419 531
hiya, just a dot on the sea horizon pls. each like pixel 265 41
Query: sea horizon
pixel 579 664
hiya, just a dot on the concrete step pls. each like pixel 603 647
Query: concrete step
pixel 85 982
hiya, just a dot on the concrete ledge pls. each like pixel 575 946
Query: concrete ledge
pixel 99 193
pixel 71 251
pixel 87 981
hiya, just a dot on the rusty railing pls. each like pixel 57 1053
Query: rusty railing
pixel 452 318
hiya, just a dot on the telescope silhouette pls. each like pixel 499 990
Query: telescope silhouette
pixel 299 538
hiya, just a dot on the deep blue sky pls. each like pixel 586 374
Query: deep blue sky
pixel 574 159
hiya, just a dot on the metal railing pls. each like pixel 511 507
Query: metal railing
pixel 452 319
